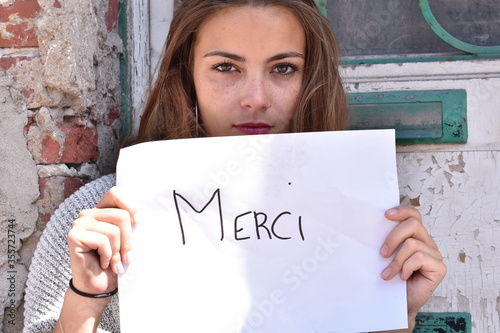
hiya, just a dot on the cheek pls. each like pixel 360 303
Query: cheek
pixel 215 97
pixel 288 100
pixel 214 103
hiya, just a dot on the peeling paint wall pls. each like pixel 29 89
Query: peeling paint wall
pixel 59 121
pixel 455 187
pixel 458 194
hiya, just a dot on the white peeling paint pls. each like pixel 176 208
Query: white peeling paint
pixel 459 196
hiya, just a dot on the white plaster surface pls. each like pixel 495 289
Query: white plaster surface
pixel 18 192
pixel 459 196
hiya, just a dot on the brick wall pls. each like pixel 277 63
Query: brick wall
pixel 59 121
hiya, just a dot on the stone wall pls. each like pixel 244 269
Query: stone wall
pixel 59 121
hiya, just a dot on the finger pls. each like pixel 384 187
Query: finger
pixel 119 218
pixel 410 226
pixel 103 237
pixel 428 266
pixel 401 213
pixel 117 198
pixel 409 249
pixel 113 235
pixel 83 242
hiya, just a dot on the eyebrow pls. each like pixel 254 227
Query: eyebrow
pixel 235 57
pixel 285 55
pixel 225 55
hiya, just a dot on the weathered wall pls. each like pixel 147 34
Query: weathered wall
pixel 59 110
pixel 456 187
pixel 459 195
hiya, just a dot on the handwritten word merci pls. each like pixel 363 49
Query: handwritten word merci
pixel 262 224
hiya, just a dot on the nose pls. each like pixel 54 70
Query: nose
pixel 256 95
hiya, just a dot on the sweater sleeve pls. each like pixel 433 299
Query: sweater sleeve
pixel 50 269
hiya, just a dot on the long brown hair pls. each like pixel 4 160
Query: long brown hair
pixel 170 109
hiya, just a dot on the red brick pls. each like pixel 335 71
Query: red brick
pixel 80 144
pixel 51 150
pixel 44 218
pixel 31 122
pixel 26 9
pixel 41 187
pixel 51 195
pixel 71 184
pixel 53 190
pixel 112 15
pixel 28 95
pixel 23 33
pixel 8 62
pixel 113 113
pixel 23 36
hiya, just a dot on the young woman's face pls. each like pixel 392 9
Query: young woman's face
pixel 248 70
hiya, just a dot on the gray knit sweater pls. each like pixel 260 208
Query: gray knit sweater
pixel 50 269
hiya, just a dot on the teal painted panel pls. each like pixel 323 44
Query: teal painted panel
pixel 419 117
pixel 125 108
pixel 443 322
pixel 321 6
pixel 413 59
pixel 413 120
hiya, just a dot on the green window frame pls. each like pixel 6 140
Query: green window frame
pixel 473 52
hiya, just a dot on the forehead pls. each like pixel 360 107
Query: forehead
pixel 247 28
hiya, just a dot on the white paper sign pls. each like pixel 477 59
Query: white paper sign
pixel 266 233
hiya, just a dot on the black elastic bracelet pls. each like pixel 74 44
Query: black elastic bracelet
pixel 81 293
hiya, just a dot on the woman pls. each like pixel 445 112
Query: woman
pixel 229 68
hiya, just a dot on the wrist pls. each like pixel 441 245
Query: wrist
pixel 81 314
pixel 88 295
pixel 93 284
pixel 412 320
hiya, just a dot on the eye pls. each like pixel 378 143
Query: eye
pixel 285 69
pixel 225 67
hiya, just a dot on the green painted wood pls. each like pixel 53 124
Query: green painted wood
pixel 448 38
pixel 416 59
pixel 126 116
pixel 443 322
pixel 419 117
pixel 321 6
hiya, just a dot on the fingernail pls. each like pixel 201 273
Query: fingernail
pixel 119 267
pixel 391 212
pixel 386 273
pixel 129 257
pixel 135 218
pixel 384 250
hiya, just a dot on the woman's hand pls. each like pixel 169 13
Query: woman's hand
pixel 100 243
pixel 417 258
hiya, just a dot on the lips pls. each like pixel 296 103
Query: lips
pixel 254 128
